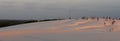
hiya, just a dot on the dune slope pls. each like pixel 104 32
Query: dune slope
pixel 63 30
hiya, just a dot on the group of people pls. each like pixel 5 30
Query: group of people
pixel 93 18
pixel 112 20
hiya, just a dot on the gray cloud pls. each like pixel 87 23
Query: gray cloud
pixel 58 9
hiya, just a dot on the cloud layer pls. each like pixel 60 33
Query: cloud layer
pixel 40 9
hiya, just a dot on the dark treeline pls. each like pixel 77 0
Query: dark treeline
pixel 5 23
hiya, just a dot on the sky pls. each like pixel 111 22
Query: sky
pixel 44 9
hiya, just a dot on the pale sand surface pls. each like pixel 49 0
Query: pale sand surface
pixel 63 30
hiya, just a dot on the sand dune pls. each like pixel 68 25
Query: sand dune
pixel 63 30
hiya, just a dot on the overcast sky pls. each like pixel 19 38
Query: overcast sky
pixel 42 9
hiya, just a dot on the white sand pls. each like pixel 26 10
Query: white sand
pixel 62 30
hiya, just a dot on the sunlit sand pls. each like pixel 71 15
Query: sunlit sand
pixel 63 30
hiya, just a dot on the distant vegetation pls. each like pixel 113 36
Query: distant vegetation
pixel 5 23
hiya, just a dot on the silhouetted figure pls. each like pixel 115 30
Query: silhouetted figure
pixel 113 22
pixel 97 18
pixel 70 18
pixel 119 18
pixel 106 18
pixel 87 18
pixel 84 18
pixel 109 17
pixel 93 18
pixel 104 23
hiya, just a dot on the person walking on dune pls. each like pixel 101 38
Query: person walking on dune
pixel 113 22
pixel 97 18
pixel 104 23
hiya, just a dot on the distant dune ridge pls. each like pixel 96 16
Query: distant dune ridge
pixel 64 30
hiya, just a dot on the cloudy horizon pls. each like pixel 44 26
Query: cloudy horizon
pixel 42 9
